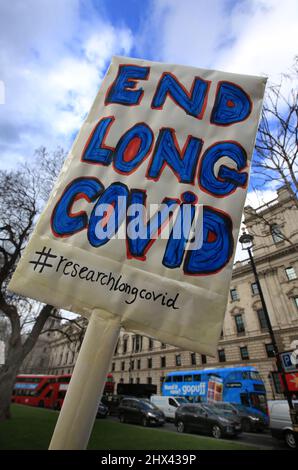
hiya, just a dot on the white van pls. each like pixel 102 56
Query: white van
pixel 280 421
pixel 168 405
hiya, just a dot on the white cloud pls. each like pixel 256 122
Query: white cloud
pixel 52 61
pixel 258 197
pixel 243 36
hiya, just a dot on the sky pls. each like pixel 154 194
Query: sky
pixel 54 54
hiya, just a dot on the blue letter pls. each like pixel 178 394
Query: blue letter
pixel 232 104
pixel 63 223
pixel 96 151
pixel 178 238
pixel 228 179
pixel 115 197
pixel 133 148
pixel 192 102
pixel 141 234
pixel 183 163
pixel 217 248
pixel 122 91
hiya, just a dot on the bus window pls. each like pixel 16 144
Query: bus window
pixel 244 399
pixel 187 378
pixel 255 375
pixel 168 379
pixel 177 378
pixel 258 400
pixel 197 378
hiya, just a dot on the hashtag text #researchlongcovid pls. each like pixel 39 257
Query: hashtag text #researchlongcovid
pixel 109 280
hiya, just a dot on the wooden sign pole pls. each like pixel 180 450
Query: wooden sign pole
pixel 79 409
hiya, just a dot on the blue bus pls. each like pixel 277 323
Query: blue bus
pixel 239 385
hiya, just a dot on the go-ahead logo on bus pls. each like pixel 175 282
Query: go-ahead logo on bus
pixel 186 389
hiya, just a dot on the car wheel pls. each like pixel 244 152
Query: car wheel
pixel 290 439
pixel 216 432
pixel 246 426
pixel 180 426
pixel 144 422
pixel 122 418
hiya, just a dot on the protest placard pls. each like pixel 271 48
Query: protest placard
pixel 156 134
pixel 143 222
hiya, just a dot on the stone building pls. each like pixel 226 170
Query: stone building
pixel 245 339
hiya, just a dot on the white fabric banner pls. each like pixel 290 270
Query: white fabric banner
pixel 176 140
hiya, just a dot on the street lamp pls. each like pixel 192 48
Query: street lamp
pixel 246 240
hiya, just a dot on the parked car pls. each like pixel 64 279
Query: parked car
pixel 102 411
pixel 280 422
pixel 112 402
pixel 135 410
pixel 250 420
pixel 206 419
pixel 168 405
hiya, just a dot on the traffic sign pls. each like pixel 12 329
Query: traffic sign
pixel 287 361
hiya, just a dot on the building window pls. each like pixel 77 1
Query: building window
pixel 163 361
pixel 269 350
pixel 204 359
pixel 138 364
pixel 296 301
pixel 178 359
pixel 221 355
pixel 193 359
pixel 116 348
pixel 132 364
pixel 124 349
pixel 149 363
pixel 137 343
pixel 254 288
pixel 131 380
pixel 138 380
pixel 291 273
pixel 221 334
pixel 150 344
pixel 149 380
pixel 234 294
pixel 239 323
pixel 262 319
pixel 113 366
pixel 244 353
pixel 122 365
pixel 276 233
pixel 163 345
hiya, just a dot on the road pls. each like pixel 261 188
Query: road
pixel 263 440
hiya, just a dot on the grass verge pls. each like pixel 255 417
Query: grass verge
pixel 32 428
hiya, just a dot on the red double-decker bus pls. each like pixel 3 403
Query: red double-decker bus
pixel 47 391
pixel 35 390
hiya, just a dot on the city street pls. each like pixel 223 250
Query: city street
pixel 263 440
